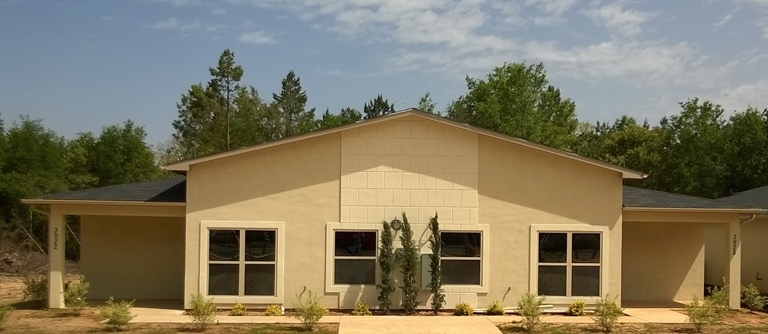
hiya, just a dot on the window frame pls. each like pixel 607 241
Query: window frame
pixel 241 227
pixel 466 258
pixel 330 255
pixel 569 230
pixel 485 259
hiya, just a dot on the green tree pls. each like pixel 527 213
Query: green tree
pixel 746 156
pixel 120 155
pixel 378 107
pixel 435 271
pixel 220 115
pixel 291 104
pixel 387 268
pixel 409 267
pixel 427 105
pixel 346 116
pixel 693 151
pixel 78 156
pixel 517 100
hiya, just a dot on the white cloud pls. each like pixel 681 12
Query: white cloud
pixel 615 17
pixel 258 38
pixel 552 10
pixel 170 23
pixel 723 21
pixel 751 94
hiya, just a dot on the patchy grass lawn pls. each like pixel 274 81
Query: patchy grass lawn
pixel 733 323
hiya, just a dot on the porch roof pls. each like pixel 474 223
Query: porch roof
pixel 757 197
pixel 641 199
pixel 172 190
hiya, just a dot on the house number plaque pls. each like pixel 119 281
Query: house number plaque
pixel 734 244
pixel 55 238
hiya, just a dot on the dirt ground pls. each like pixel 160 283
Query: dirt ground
pixel 31 318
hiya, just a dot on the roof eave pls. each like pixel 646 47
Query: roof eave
pixel 691 210
pixel 42 201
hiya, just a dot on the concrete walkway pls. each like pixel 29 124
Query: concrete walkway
pixel 414 324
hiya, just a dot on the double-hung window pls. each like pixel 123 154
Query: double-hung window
pixel 569 263
pixel 461 258
pixel 242 262
pixel 354 257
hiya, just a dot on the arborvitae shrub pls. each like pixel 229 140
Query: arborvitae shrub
pixel 435 271
pixel 409 268
pixel 387 268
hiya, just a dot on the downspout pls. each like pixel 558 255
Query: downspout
pixel 754 215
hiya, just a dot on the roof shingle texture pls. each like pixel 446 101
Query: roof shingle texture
pixel 756 198
pixel 166 190
pixel 646 198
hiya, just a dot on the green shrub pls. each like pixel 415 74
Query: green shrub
pixel 75 295
pixel 701 313
pixel 202 311
pixel 607 313
pixel 5 314
pixel 361 308
pixel 116 315
pixel 409 267
pixel 577 308
pixel 495 308
pixel 463 309
pixel 435 271
pixel 387 268
pixel 274 311
pixel 309 311
pixel 238 309
pixel 718 298
pixel 529 308
pixel 752 299
pixel 35 287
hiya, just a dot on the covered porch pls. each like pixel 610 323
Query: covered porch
pixel 665 244
pixel 132 241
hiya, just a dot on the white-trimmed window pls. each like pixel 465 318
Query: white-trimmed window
pixel 354 257
pixel 569 264
pixel 461 258
pixel 242 261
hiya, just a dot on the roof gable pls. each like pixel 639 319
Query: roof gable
pixel 183 166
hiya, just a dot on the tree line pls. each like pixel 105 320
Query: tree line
pixel 696 151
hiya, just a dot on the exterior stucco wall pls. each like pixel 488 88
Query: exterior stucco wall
pixel 663 261
pixel 519 187
pixel 754 261
pixel 296 183
pixel 133 257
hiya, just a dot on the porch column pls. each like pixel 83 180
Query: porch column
pixel 56 269
pixel 733 277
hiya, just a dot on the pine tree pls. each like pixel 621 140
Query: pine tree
pixel 409 268
pixel 378 107
pixel 387 266
pixel 291 104
pixel 436 281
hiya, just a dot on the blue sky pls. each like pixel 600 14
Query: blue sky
pixel 81 65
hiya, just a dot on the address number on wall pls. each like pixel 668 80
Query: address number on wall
pixel 734 244
pixel 55 238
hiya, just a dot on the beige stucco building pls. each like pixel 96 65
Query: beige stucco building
pixel 259 224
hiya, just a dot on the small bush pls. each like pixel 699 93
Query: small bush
pixel 5 313
pixel 238 309
pixel 202 311
pixel 361 309
pixel 495 308
pixel 701 313
pixel 607 313
pixel 274 311
pixel 75 295
pixel 116 315
pixel 463 309
pixel 718 298
pixel 309 311
pixel 35 287
pixel 577 308
pixel 752 299
pixel 529 308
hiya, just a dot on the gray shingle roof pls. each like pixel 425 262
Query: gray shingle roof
pixel 165 190
pixel 646 198
pixel 757 198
